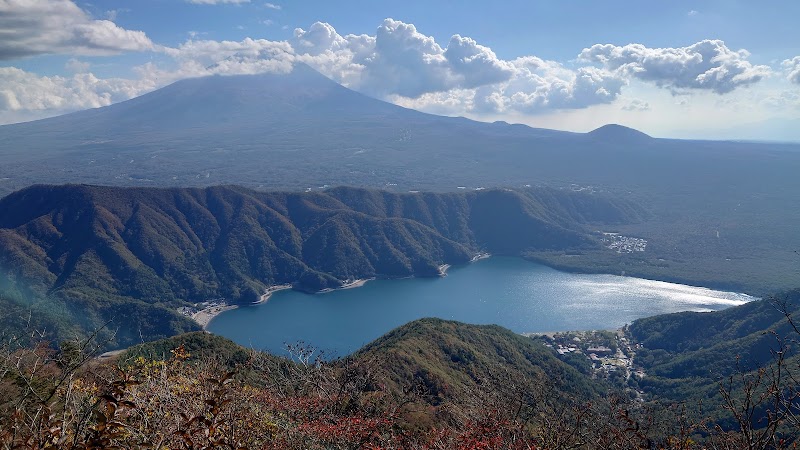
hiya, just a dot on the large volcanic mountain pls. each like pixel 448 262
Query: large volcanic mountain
pixel 302 130
pixel 721 208
pixel 273 130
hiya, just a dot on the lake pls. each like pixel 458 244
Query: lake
pixel 511 292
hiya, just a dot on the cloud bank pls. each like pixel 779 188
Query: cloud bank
pixel 35 27
pixel 24 91
pixel 708 65
pixel 793 69
pixel 397 63
pixel 401 64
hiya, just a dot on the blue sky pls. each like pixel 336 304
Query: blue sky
pixel 715 69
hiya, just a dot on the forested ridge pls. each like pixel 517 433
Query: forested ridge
pixel 81 256
pixel 430 384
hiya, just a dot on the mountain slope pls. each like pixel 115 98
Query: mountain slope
pixel 437 371
pixel 455 360
pixel 301 130
pixel 690 357
pixel 723 211
pixel 95 248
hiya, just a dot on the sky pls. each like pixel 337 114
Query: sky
pixel 719 69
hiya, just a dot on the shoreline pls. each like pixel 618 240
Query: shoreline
pixel 480 256
pixel 351 285
pixel 271 290
pixel 550 334
pixel 206 315
pixel 589 270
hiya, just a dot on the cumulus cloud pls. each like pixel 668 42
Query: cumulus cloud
pixel 398 63
pixel 398 60
pixel 21 90
pixel 793 69
pixel 320 38
pixel 410 68
pixel 539 85
pixel 207 57
pixel 405 62
pixel 34 27
pixel 401 64
pixel 272 6
pixel 708 65
pixel 474 64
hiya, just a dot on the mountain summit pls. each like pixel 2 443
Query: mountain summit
pixel 618 133
pixel 218 101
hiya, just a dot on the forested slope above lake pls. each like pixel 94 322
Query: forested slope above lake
pixel 94 254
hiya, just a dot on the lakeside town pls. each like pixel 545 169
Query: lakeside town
pixel 605 354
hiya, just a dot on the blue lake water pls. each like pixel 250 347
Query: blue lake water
pixel 511 292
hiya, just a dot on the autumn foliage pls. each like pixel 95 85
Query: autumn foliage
pixel 59 397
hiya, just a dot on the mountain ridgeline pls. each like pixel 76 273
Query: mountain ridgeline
pixel 723 213
pixel 93 254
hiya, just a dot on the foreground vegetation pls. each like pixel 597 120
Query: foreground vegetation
pixel 431 384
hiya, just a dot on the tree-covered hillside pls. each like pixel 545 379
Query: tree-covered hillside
pixel 430 384
pixel 84 256
pixel 699 358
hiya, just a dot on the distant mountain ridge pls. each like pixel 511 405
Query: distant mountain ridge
pixel 618 133
pixel 301 130
pixel 94 248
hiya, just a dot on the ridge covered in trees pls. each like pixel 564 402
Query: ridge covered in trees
pixel 83 256
pixel 430 384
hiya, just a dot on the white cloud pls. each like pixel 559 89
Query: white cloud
pixel 34 27
pixel 21 90
pixel 247 51
pixel 402 65
pixel 793 69
pixel 707 65
pixel 636 105
pixel 539 85
pixel 692 13
pixel 272 6
pixel 405 66
pixel 321 37
pixel 475 64
pixel 405 62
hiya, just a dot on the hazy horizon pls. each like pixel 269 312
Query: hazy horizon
pixel 721 70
